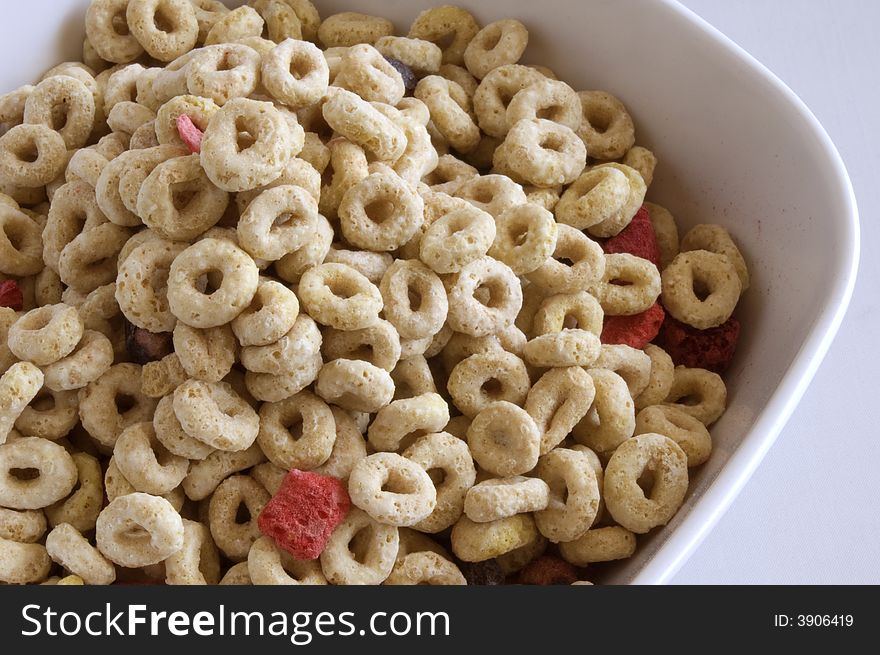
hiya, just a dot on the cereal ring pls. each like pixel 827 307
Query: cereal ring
pixel 236 163
pixel 355 385
pixel 206 475
pixel 631 364
pixel 665 231
pixel 378 344
pixel 302 342
pixel 392 489
pixel 281 20
pixel 145 462
pixel 63 104
pixel 349 28
pixel 208 12
pixel 380 213
pixel 23 563
pixel 298 432
pixel 546 98
pixel 422 56
pixel 598 195
pixel 587 266
pixel 456 239
pixel 701 288
pixel 170 433
pixel 500 498
pixel 20 243
pixel 504 439
pixel 699 393
pixel 128 117
pixel 486 377
pixel 141 285
pixel 666 462
pixel 66 545
pixel 198 110
pixel 362 124
pixel 372 265
pixel 425 568
pixel 414 299
pixel 46 334
pixel 139 530
pixel 31 156
pixel 240 278
pixel 237 24
pixel 493 194
pixel 113 402
pixel 574 495
pixel 498 44
pixel 557 402
pixel 611 420
pixel 89 261
pixel 339 296
pixel 271 315
pixel 270 387
pixel 55 471
pixel 25 526
pixel 485 297
pixel 659 380
pixel 541 152
pixel 412 377
pixel 452 26
pixel 347 167
pixel 607 128
pixel 568 347
pixel 216 415
pixel 525 238
pixel 178 201
pixel 278 221
pixel 715 238
pixel 107 31
pixel 205 354
pixel 493 96
pixel 478 542
pixel 568 310
pixel 425 413
pixel 234 537
pixel 166 29
pixel 449 174
pixel 365 559
pixel 296 73
pixel 237 574
pixel 451 111
pixel 51 415
pixel 197 562
pixel 599 545
pixel 348 448
pixel 642 160
pixel 685 430
pixel 364 71
pixel 630 285
pixel 269 565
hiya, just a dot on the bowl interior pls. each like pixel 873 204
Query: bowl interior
pixel 734 148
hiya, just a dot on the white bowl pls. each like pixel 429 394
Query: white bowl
pixel 736 147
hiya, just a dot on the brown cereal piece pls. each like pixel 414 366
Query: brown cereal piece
pixel 558 401
pixel 504 439
pixel 55 479
pixel 298 432
pixel 309 83
pixel 339 296
pixel 499 498
pixel 355 385
pixel 67 546
pixel 607 128
pixel 349 28
pixel 380 213
pixel 611 419
pixel 587 264
pixel 361 123
pixel 113 402
pixel 240 279
pixel 487 377
pixel 124 523
pixel 19 385
pixel 599 545
pixel 107 31
pixel 666 231
pixel 701 288
pixel 642 160
pixel 498 44
pixel 216 415
pixel 630 285
pixel 239 23
pixel 626 501
pixel 477 542
pixel 392 489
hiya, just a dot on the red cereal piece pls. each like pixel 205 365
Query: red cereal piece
pixel 10 295
pixel 636 331
pixel 547 570
pixel 712 349
pixel 303 514
pixel 191 135
pixel 637 238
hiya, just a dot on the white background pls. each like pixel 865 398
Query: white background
pixel 811 514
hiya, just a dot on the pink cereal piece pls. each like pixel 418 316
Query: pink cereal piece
pixel 191 135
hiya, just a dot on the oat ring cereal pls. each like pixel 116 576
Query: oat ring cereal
pixel 446 23
pixel 558 401
pixel 360 551
pixel 392 489
pixel 574 495
pixel 495 92
pixel 626 501
pixel 269 565
pixel 550 99
pixel 478 542
pixel 630 285
pixel 378 344
pixel 485 297
pixel 483 378
pixel 426 412
pixel 598 195
pixel 69 548
pixel 715 238
pixel 19 385
pixel 504 439
pixel 301 343
pixel 599 545
pixel 451 112
pixel 139 530
pixel 107 31
pixel 699 393
pixel 611 420
pixel 622 216
pixel 224 73
pixel 414 299
pixel 499 43
pixel 240 278
pixel 296 73
pixel 568 310
pixel 142 285
pixel 277 222
pixel 197 562
pixel 20 248
pixel 456 239
pixel 298 432
pixel 45 335
pixel 88 361
pixel 355 385
pixel 607 128
pixel 425 568
pixel 170 433
pixel 587 263
pixel 339 296
pixel 498 498
pixel 55 478
pixel 113 402
pixel 364 71
pixel 380 213
pixel 361 123
pixel 32 155
pixel 701 288
pixel 166 29
pixel 269 317
pixel 685 430
pixel 525 238
pixel 232 536
pixel 216 415
pixel 68 98
pixel 23 563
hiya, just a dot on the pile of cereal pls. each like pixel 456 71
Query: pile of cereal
pixel 292 301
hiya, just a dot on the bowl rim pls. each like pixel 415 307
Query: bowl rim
pixel 715 501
